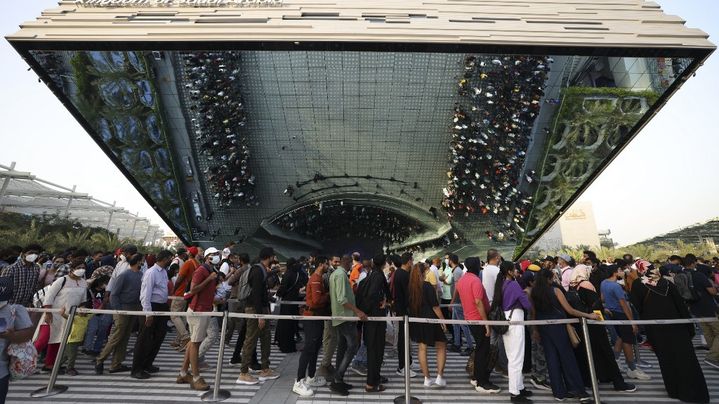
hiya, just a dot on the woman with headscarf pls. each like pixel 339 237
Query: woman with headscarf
pixel 604 364
pixel 655 298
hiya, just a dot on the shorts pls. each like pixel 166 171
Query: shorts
pixel 624 331
pixel 198 327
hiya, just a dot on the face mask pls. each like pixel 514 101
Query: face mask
pixel 446 262
pixel 215 260
pixel 31 257
pixel 79 273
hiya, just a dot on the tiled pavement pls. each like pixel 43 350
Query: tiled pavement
pixel 120 388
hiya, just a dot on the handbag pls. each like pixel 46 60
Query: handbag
pixel 573 336
pixel 23 356
pixel 497 314
pixel 470 363
pixel 493 356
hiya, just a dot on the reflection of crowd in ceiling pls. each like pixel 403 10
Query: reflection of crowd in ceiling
pixel 337 220
pixel 214 89
pixel 501 98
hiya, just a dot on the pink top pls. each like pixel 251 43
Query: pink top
pixel 470 289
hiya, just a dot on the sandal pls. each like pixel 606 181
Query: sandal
pixel 375 389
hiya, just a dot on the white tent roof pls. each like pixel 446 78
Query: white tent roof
pixel 24 193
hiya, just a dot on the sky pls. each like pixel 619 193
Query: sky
pixel 662 181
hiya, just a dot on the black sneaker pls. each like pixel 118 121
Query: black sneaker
pixel 525 393
pixel 540 384
pixel 346 386
pixel 140 375
pixel 99 368
pixel 626 387
pixel 152 369
pixel 518 398
pixel 339 389
pixel 120 369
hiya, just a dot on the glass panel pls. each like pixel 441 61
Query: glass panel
pixel 439 151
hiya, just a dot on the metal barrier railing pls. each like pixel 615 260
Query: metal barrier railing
pixel 217 394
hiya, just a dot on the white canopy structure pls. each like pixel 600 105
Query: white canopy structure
pixel 24 193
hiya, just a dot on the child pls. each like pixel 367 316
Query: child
pixel 77 336
pixel 99 325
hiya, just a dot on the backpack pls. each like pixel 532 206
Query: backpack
pixel 361 300
pixel 38 299
pixel 244 289
pixel 684 281
pixel 574 300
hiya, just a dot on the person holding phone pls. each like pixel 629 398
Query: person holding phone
pixel 15 328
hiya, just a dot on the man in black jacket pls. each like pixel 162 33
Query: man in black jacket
pixel 258 303
pixel 374 293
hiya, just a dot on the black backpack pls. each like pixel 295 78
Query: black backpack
pixel 684 281
pixel 574 300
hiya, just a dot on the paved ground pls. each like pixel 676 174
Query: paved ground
pixel 120 388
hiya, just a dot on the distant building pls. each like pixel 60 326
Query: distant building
pixel 576 227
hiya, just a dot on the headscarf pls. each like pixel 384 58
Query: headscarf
pixel 652 276
pixel 579 275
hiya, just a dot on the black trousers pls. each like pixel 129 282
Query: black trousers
pixel 400 347
pixel 313 342
pixel 481 354
pixel 150 339
pixel 374 335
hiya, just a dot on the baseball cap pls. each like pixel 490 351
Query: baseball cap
pixel 211 250
pixel 565 257
pixel 226 253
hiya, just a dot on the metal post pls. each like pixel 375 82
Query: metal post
pixel 406 398
pixel 216 394
pixel 590 359
pixel 51 388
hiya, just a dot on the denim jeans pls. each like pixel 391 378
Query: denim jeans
pixel 347 345
pixel 98 328
pixel 458 314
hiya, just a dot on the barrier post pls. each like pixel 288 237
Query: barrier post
pixel 590 359
pixel 51 388
pixel 216 394
pixel 407 398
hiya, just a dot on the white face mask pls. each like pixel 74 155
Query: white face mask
pixel 79 273
pixel 215 259
pixel 31 257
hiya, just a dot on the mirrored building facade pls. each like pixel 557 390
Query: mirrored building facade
pixel 383 125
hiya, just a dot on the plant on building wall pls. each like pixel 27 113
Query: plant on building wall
pixel 114 92
pixel 589 125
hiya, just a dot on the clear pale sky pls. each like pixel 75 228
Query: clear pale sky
pixel 665 179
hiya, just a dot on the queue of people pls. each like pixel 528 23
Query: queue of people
pixel 352 289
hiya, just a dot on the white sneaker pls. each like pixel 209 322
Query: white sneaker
pixel 440 381
pixel 412 373
pixel 427 382
pixel 473 383
pixel 317 381
pixel 302 390
pixel 638 374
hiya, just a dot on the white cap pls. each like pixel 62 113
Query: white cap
pixel 211 250
pixel 226 253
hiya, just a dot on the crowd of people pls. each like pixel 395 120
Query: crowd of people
pixel 327 221
pixel 501 98
pixel 198 280
pixel 218 125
